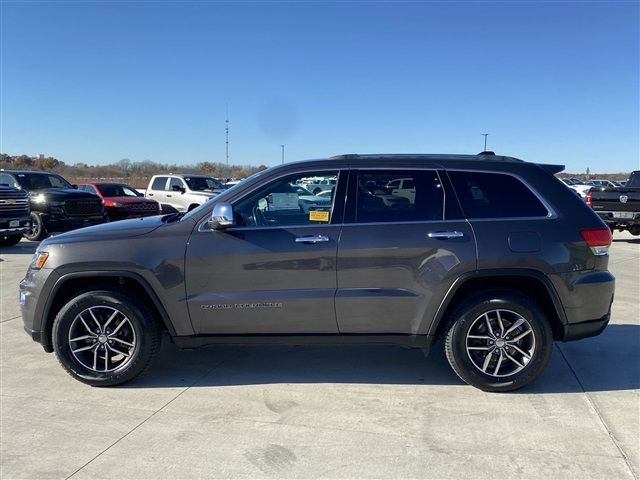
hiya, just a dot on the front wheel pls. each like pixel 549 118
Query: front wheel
pixel 37 231
pixel 105 338
pixel 498 341
pixel 9 240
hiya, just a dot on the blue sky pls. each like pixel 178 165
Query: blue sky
pixel 96 82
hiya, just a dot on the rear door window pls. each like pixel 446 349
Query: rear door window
pixel 399 196
pixel 495 195
pixel 159 183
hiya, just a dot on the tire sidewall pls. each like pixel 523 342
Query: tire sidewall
pixel 9 240
pixel 36 219
pixel 139 322
pixel 470 373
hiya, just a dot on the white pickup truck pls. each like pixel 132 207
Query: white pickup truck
pixel 182 192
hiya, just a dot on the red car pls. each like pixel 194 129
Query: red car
pixel 122 201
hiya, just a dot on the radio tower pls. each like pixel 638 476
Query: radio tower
pixel 226 131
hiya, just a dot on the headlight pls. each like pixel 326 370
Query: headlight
pixel 40 198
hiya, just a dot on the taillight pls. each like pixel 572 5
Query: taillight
pixel 588 200
pixel 597 239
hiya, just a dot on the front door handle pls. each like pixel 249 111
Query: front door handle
pixel 312 239
pixel 168 195
pixel 445 235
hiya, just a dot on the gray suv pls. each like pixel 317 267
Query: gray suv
pixel 491 254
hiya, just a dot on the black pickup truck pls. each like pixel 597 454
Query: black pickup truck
pixel 56 205
pixel 15 215
pixel 619 207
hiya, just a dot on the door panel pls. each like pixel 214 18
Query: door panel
pixel 391 276
pixel 248 281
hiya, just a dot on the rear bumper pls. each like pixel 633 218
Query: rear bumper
pixel 590 328
pixel 587 298
pixel 611 218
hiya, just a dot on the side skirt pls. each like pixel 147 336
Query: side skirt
pixel 410 341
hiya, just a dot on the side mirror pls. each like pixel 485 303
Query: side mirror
pixel 74 186
pixel 178 188
pixel 222 216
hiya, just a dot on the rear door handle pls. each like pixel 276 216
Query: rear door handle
pixel 445 235
pixel 168 195
pixel 312 239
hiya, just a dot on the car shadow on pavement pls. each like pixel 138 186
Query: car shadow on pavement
pixel 609 362
pixel 626 240
pixel 24 247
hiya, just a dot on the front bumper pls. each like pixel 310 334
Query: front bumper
pixel 123 214
pixel 63 223
pixel 9 225
pixel 33 296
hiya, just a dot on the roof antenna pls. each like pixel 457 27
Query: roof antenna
pixel 485 135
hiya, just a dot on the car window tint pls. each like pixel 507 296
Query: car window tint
pixel 495 195
pixel 283 202
pixel 399 196
pixel 159 183
pixel 6 179
pixel 176 182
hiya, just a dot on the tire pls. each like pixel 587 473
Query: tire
pixel 37 231
pixel 118 351
pixel 518 351
pixel 9 240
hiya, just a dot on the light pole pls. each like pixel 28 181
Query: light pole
pixel 282 147
pixel 485 135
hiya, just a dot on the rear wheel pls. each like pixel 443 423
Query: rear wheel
pixel 37 231
pixel 498 341
pixel 105 338
pixel 9 240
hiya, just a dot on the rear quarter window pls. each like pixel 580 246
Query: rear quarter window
pixel 495 195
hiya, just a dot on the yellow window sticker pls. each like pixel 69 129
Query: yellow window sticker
pixel 318 216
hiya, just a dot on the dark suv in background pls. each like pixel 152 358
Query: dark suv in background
pixel 492 254
pixel 56 205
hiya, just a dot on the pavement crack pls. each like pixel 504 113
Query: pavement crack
pixel 594 407
pixel 217 365
pixel 10 319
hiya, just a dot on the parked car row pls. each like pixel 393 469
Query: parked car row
pixel 582 187
pixel 35 204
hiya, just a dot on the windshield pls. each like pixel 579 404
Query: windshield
pixel 40 181
pixel 116 190
pixel 198 184
pixel 634 180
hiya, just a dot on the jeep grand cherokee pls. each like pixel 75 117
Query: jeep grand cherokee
pixel 492 254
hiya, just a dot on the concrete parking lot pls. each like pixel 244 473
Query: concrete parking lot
pixel 328 412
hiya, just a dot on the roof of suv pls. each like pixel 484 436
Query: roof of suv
pixel 483 158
